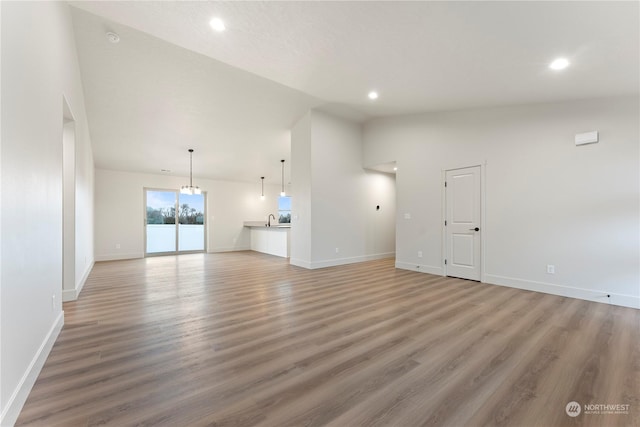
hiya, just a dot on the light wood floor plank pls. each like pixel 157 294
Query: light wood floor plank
pixel 243 339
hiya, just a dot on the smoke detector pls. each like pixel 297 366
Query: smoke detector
pixel 113 37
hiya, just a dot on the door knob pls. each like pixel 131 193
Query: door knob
pixel 474 229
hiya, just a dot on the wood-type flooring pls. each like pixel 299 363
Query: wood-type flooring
pixel 245 339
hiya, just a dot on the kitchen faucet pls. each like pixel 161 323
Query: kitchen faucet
pixel 269 221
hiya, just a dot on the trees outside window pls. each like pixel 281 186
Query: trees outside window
pixel 284 210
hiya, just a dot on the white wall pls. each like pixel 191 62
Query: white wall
pixel 341 194
pixel 2 398
pixel 546 200
pixel 300 236
pixel 84 239
pixel 119 214
pixel 78 176
pixel 68 203
pixel 39 68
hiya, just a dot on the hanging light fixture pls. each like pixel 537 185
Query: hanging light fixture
pixel 190 189
pixel 262 193
pixel 282 193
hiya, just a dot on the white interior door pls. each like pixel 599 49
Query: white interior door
pixel 462 226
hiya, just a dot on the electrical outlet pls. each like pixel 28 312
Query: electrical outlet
pixel 407 216
pixel 117 245
pixel 551 269
pixel 419 254
pixel 337 250
pixel 53 302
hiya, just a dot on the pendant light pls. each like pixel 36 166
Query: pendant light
pixel 262 193
pixel 282 193
pixel 190 189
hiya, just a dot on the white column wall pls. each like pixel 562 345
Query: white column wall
pixel 301 192
pixel 335 199
pixel 85 182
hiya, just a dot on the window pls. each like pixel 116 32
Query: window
pixel 284 210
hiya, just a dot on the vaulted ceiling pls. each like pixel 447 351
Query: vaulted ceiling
pixel 172 83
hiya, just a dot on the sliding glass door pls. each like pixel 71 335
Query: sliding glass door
pixel 174 222
pixel 161 232
pixel 191 222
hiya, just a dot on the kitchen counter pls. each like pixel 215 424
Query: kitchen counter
pixel 272 240
pixel 262 224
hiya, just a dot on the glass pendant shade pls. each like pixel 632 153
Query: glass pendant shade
pixel 262 192
pixel 190 189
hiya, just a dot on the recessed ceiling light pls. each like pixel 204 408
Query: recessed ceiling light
pixel 217 25
pixel 559 64
pixel 395 168
pixel 373 95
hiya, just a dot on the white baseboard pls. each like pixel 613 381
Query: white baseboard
pixel 339 261
pixel 118 256
pixel 72 294
pixel 422 268
pixel 300 263
pixel 631 301
pixel 69 295
pixel 10 413
pixel 229 249
pixel 85 276
pixel 622 300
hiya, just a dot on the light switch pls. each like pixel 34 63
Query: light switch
pixel 407 216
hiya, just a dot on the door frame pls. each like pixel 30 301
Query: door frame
pixel 68 291
pixel 144 224
pixel 483 215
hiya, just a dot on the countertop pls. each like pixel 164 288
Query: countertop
pixel 262 224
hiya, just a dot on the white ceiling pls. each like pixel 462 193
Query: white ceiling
pixel 172 83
